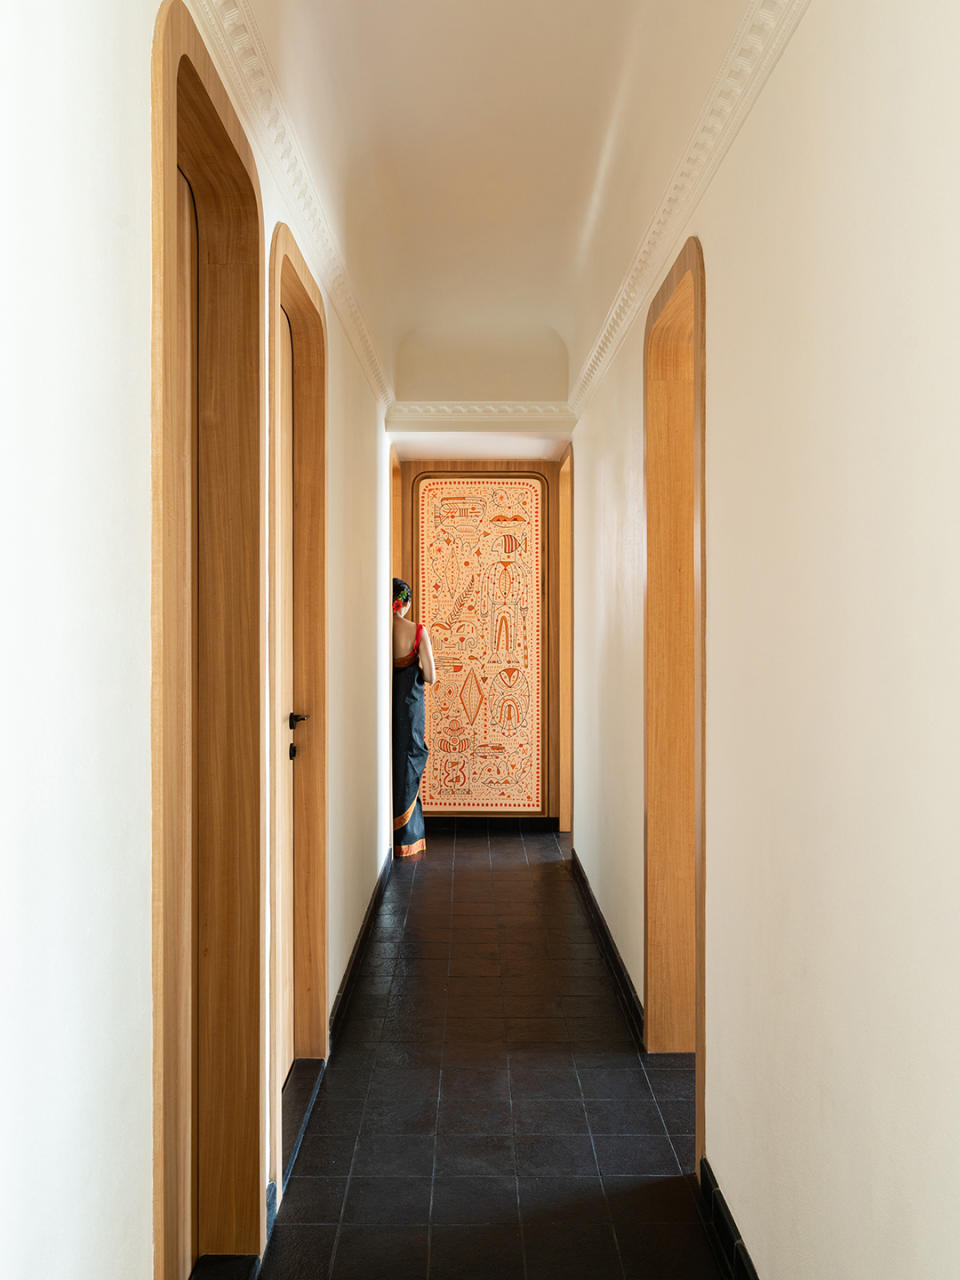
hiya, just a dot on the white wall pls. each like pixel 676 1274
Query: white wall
pixel 75 1074
pixel 833 595
pixel 75 1071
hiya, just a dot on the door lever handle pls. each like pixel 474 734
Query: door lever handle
pixel 295 719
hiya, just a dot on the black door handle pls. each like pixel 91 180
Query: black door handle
pixel 293 751
pixel 295 719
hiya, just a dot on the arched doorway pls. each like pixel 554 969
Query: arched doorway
pixel 297 686
pixel 674 641
pixel 209 1058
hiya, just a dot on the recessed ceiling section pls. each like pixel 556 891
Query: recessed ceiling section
pixel 499 364
pixel 489 166
pixel 479 446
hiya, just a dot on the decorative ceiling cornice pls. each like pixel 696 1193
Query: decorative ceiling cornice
pixel 753 53
pixel 530 415
pixel 232 36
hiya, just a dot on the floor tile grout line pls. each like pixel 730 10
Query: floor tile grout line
pixel 656 1102
pixel 331 1266
pixel 443 1054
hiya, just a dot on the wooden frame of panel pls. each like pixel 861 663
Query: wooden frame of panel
pixel 208 757
pixel 565 638
pixel 674 665
pixel 557 633
pixel 298 496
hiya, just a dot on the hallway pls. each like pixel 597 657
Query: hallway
pixel 486 1112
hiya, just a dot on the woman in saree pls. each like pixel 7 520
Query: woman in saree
pixel 413 666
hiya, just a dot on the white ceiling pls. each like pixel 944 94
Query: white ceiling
pixel 489 166
pixel 456 444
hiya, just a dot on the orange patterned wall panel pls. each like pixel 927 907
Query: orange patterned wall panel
pixel 481 585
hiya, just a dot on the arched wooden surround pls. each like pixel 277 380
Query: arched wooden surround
pixel 674 641
pixel 298 681
pixel 209 904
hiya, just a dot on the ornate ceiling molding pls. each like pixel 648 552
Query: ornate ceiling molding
pixel 231 34
pixel 528 415
pixel 753 53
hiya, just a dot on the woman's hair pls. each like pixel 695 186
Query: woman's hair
pixel 401 594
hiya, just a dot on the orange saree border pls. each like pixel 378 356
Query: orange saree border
pixel 405 817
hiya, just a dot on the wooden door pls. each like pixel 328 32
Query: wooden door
pixel 674 669
pixel 183 920
pixel 285 767
pixel 207 671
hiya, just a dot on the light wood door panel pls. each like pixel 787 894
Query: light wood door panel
pixel 670 978
pixel 283 916
pixel 674 668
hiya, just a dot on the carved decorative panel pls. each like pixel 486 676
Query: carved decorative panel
pixel 480 573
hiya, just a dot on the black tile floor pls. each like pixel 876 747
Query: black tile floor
pixel 486 1113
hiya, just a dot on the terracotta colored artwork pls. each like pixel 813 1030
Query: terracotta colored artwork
pixel 481 578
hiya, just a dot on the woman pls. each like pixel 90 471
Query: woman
pixel 412 666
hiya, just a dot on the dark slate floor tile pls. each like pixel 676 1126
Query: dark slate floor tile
pixel 476 1253
pixel 616 1083
pixel 403 1201
pixel 539 1082
pixel 473 984
pixel 401 1155
pixel 468 1082
pixel 567 1155
pixel 670 1061
pixel 685 1145
pixel 470 1201
pixel 542 1006
pixel 474 1155
pixel 541 1055
pixel 475 1007
pixel 401 1053
pixel 634 1154
pixel 633 1199
pixel 481 1029
pixel 334 1115
pixel 549 1115
pixel 553 1199
pixel 298 1252
pixel 679 1117
pixel 325 1155
pixel 605 1033
pixel 312 1201
pixel 602 1005
pixel 487 1055
pixel 624 1116
pixel 475 1115
pixel 672 1086
pixel 360 1031
pixel 590 1056
pixel 537 1030
pixel 571 1251
pixel 666 1249
pixel 344 1081
pixel 400 1115
pixel 412 1029
pixel 482 1037
pixel 368 1252
pixel 405 1082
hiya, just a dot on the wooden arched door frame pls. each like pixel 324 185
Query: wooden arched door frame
pixel 674 666
pixel 208 753
pixel 298 676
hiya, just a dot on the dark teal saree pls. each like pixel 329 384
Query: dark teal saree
pixel 409 753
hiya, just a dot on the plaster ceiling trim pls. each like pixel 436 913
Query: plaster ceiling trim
pixel 760 39
pixel 524 415
pixel 230 30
